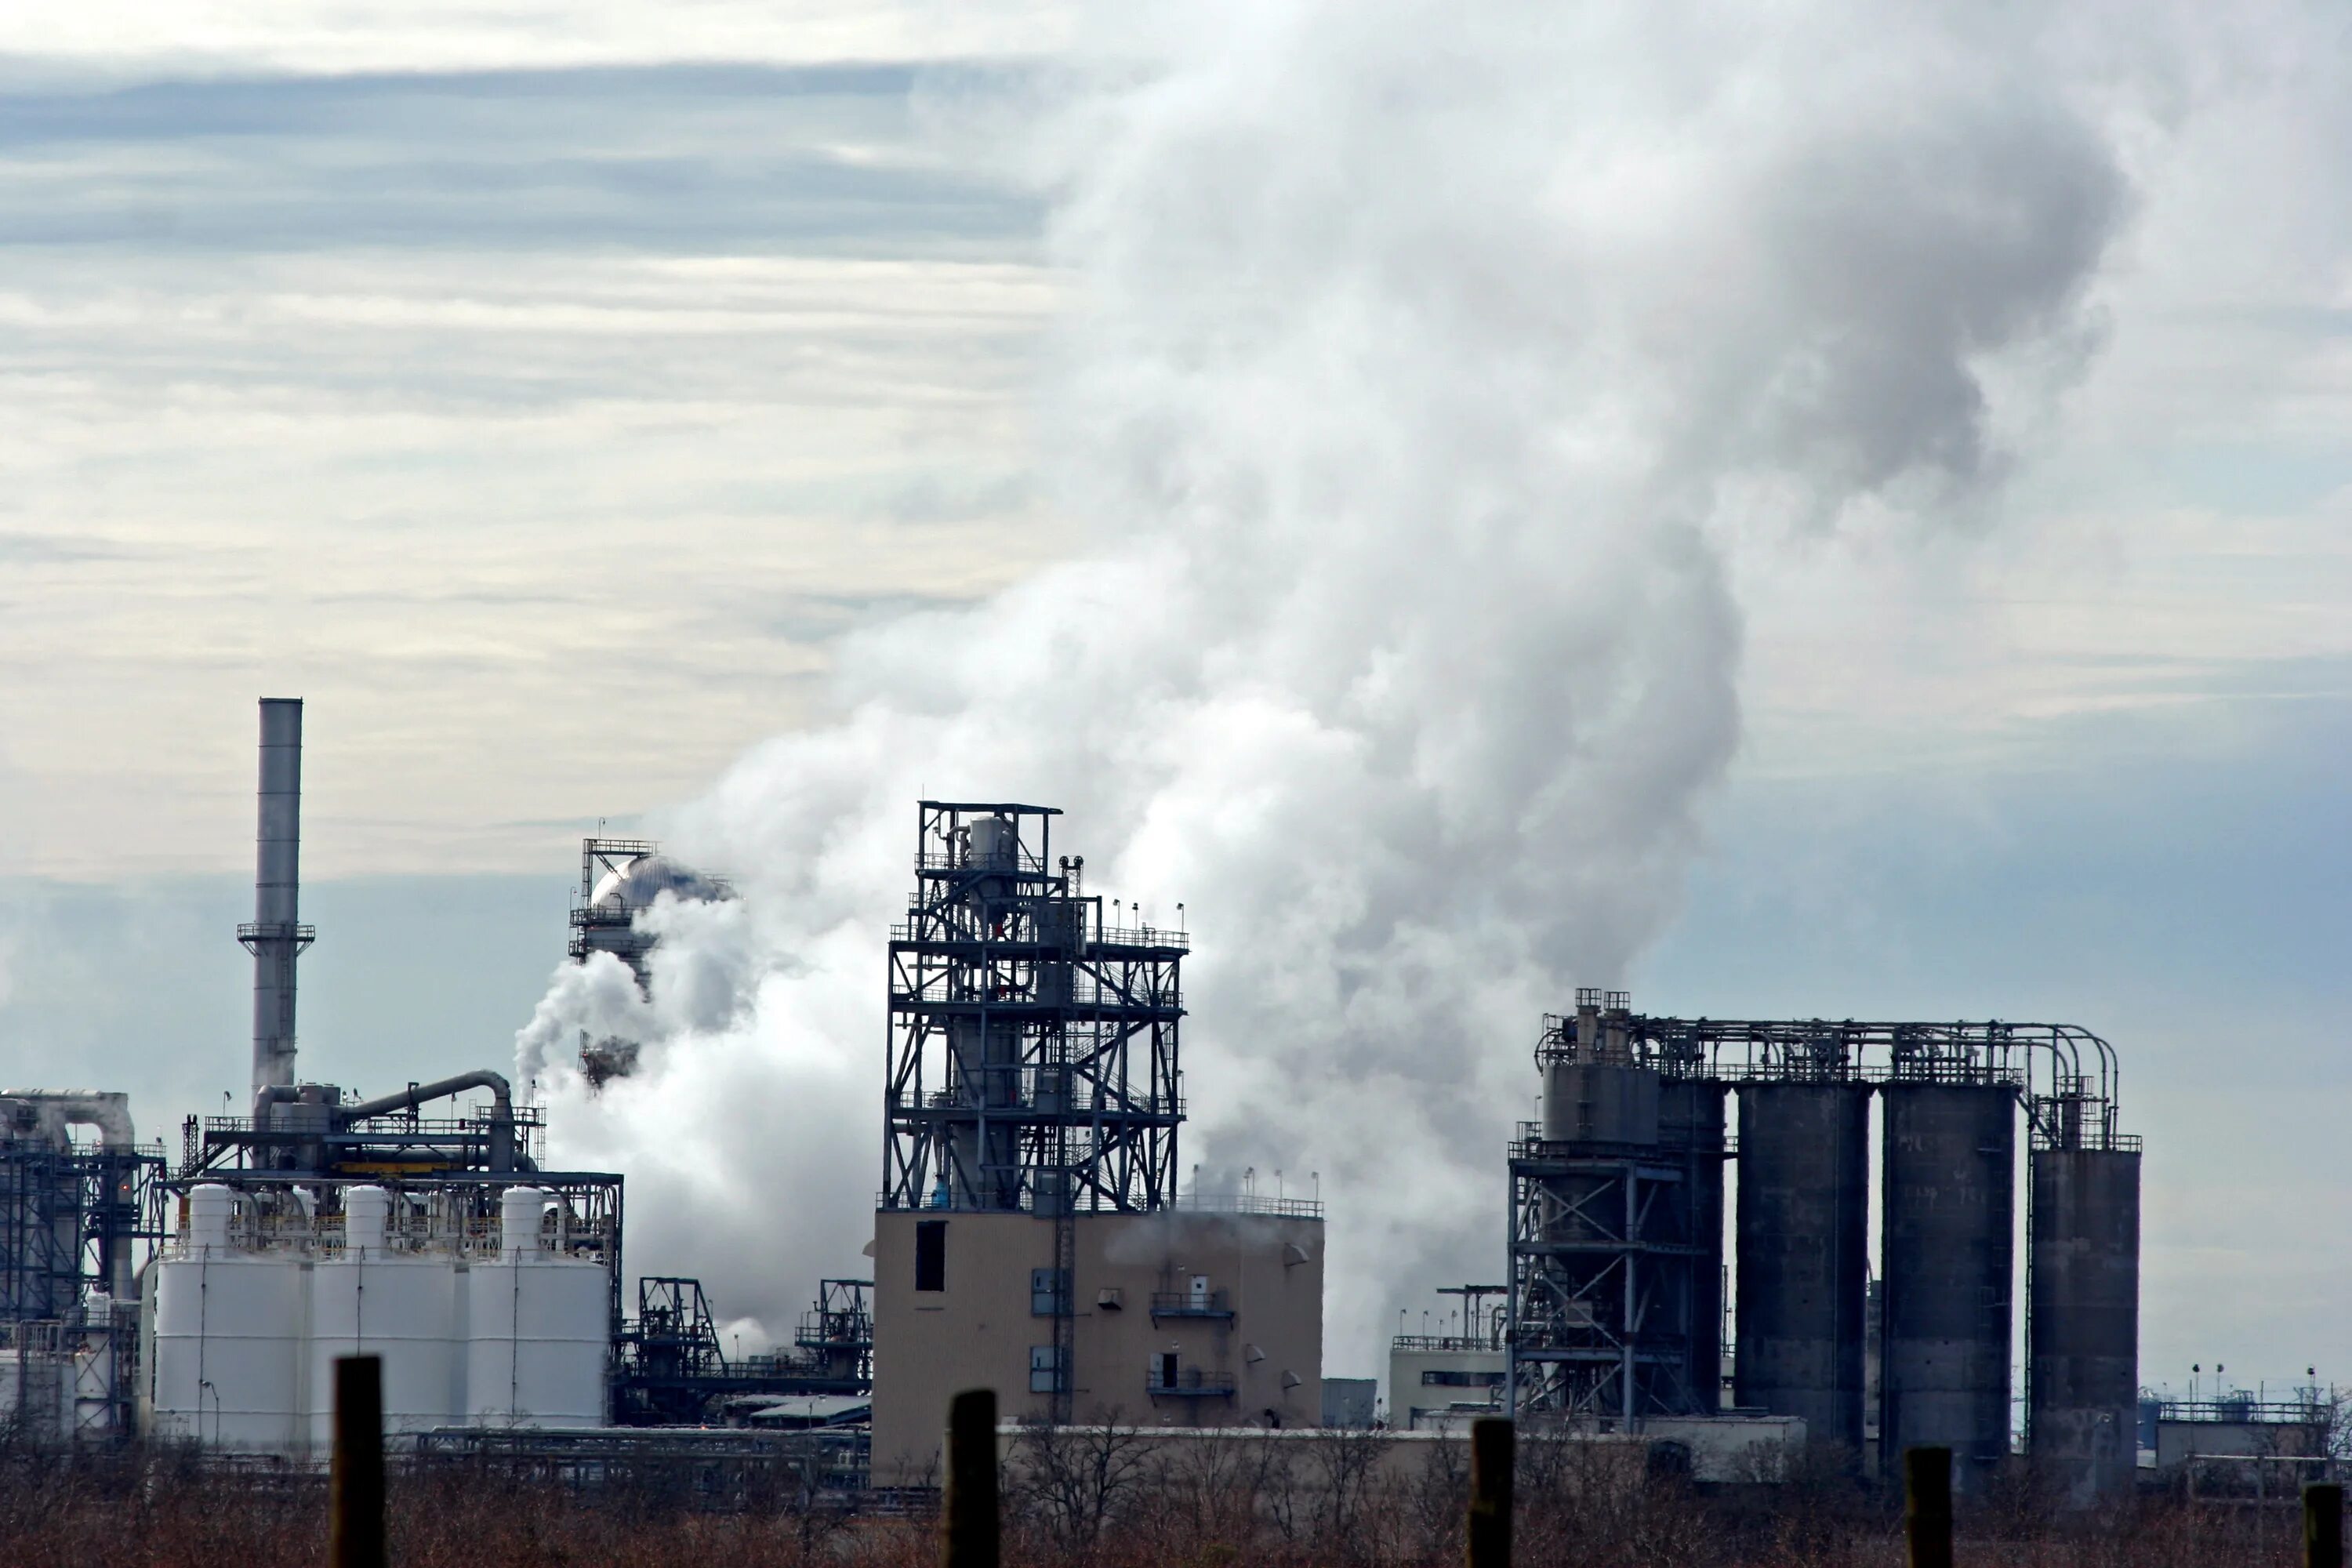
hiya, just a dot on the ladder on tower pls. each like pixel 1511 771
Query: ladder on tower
pixel 1066 1245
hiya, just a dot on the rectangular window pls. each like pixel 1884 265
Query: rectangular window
pixel 1449 1378
pixel 1048 1288
pixel 1044 1369
pixel 930 1255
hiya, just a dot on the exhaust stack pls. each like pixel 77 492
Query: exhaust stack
pixel 276 938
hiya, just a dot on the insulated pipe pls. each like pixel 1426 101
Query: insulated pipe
pixel 275 937
pixel 501 1112
pixel 109 1110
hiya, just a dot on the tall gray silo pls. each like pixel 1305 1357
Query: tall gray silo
pixel 1615 1291
pixel 2082 1312
pixel 1946 1251
pixel 1690 1125
pixel 1803 1252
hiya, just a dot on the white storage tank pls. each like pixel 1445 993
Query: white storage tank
pixel 228 1330
pixel 538 1328
pixel 374 1299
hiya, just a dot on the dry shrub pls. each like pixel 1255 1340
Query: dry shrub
pixel 1225 1505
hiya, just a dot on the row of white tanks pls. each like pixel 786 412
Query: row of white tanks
pixel 247 1336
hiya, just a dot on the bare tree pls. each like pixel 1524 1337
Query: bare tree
pixel 1071 1480
pixel 1346 1467
pixel 1437 1496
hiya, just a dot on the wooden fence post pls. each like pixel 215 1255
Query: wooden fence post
pixel 355 1474
pixel 1927 1506
pixel 2323 1525
pixel 967 1520
pixel 1491 1462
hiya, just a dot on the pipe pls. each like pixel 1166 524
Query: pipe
pixel 276 937
pixel 109 1110
pixel 502 1149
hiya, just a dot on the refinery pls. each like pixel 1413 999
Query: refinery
pixel 1688 1263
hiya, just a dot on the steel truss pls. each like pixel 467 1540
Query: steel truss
pixel 71 1219
pixel 1033 1044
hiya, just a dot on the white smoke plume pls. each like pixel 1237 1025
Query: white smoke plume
pixel 1422 363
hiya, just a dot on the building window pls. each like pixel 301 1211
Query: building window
pixel 1044 1369
pixel 930 1255
pixel 1048 1289
pixel 1447 1378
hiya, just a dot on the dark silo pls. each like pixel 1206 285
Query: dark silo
pixel 1803 1239
pixel 1948 1208
pixel 2083 1307
pixel 1690 1124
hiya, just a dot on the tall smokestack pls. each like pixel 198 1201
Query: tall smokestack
pixel 276 938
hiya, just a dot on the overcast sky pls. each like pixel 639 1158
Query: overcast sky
pixel 545 392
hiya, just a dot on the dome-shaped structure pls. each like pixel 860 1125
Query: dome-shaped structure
pixel 636 883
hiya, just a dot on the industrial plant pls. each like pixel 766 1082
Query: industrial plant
pixel 1688 1260
pixel 1616 1239
pixel 1031 1236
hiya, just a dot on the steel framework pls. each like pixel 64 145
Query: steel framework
pixel 1033 1044
pixel 1032 1050
pixel 1602 1235
pixel 70 1220
pixel 674 1372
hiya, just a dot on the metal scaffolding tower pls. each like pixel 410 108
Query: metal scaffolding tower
pixel 1033 1044
pixel 69 1219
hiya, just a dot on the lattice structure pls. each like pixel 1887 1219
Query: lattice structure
pixel 1032 1052
pixel 71 1217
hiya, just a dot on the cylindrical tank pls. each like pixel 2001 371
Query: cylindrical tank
pixel 2082 1306
pixel 229 1327
pixel 1690 1125
pixel 1803 1253
pixel 397 1306
pixel 1946 1250
pixel 1595 1102
pixel 538 1326
pixel 996 844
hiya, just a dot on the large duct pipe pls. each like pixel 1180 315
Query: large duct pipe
pixel 55 1110
pixel 503 1137
pixel 276 938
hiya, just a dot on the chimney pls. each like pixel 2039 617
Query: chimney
pixel 276 938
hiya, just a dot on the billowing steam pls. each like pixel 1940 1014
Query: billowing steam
pixel 1422 363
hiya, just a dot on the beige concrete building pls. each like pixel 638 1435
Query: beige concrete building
pixel 1443 1381
pixel 1179 1318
